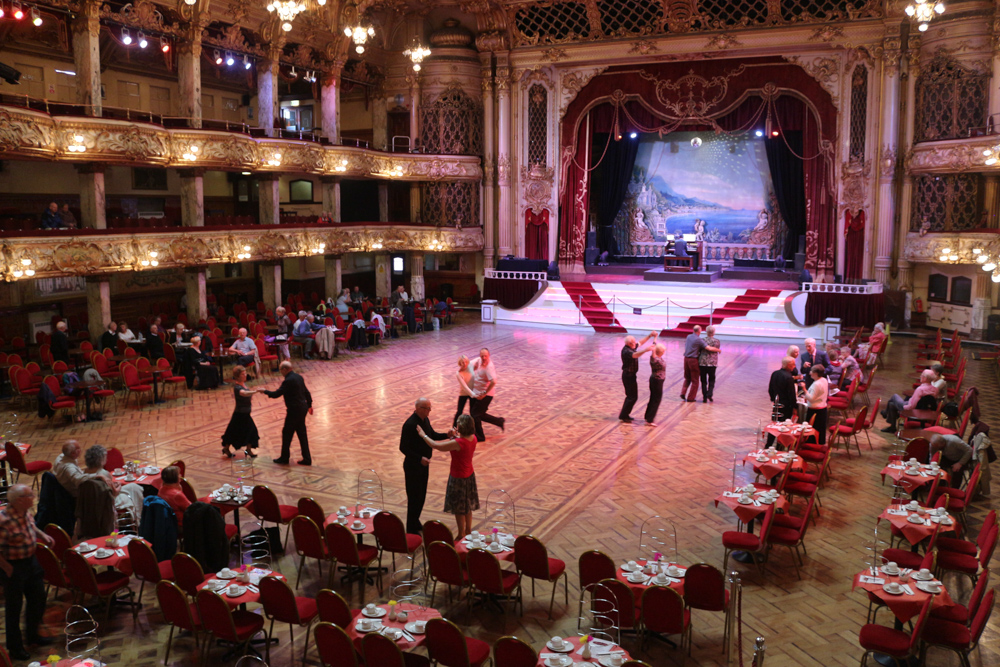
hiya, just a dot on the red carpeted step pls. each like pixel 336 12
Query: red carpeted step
pixel 752 299
pixel 591 306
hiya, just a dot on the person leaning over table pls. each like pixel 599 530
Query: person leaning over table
pixel 461 496
pixel 956 455
pixel 816 399
pixel 20 572
pixel 781 389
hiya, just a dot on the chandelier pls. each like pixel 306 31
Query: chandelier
pixel 924 11
pixel 287 11
pixel 416 54
pixel 359 35
pixel 992 155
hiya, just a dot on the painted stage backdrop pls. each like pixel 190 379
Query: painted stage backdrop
pixel 717 187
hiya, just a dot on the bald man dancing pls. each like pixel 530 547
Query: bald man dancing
pixel 630 368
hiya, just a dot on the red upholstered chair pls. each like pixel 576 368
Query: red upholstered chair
pixel 52 569
pixel 15 459
pixel 169 379
pixel 445 566
pixel 806 485
pixel 663 612
pixel 133 386
pixel 265 357
pixel 309 544
pixel 841 431
pixel 733 540
pixel 532 560
pixel 188 573
pixel 345 550
pixel 792 537
pixel 391 535
pixel 265 507
pixel 487 577
pixel 115 459
pixel 705 589
pixel 623 612
pixel 334 646
pixel 435 531
pixel 238 627
pixel 178 611
pixel 447 645
pixel 594 566
pixel 334 609
pixel 958 637
pixel 512 652
pixel 894 643
pixel 345 337
pixel 60 539
pixel 961 613
pixel 282 605
pixel 62 401
pixel 959 499
pixel 145 567
pixel 959 545
pixel 382 651
pixel 312 509
pixel 105 585
pixel 973 566
pixel 844 401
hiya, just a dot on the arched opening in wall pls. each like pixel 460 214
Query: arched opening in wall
pixel 452 124
pixel 764 100
pixel 859 112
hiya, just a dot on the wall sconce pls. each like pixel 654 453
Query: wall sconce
pixel 342 166
pixel 190 154
pixel 435 246
pixel 273 160
pixel 319 249
pixel 76 144
pixel 24 269
pixel 150 260
pixel 245 254
pixel 377 245
pixel 397 171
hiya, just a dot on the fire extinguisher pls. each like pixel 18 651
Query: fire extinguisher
pixel 918 305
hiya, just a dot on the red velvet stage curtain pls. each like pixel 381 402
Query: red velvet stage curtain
pixel 731 94
pixel 536 234
pixel 510 293
pixel 854 310
pixel 854 231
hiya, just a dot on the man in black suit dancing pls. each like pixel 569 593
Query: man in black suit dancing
pixel 298 403
pixel 417 457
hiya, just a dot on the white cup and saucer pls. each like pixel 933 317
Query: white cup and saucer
pixel 559 645
pixel 675 572
pixel 891 568
pixel 631 566
pixel 745 500
pixel 474 535
pixel 762 459
pixel 226 573
pixel 393 633
pixel 893 588
pixel 373 611
pixel 495 547
pixel 661 578
pixel 342 520
pixel 932 587
pixel 923 575
pixel 636 577
pixel 358 524
pixel 118 472
pixel 913 505
pixel 416 627
pixel 342 511
pixel 368 625
pixel 559 660
pixel 616 659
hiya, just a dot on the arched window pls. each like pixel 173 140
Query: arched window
pixel 452 124
pixel 859 112
pixel 538 139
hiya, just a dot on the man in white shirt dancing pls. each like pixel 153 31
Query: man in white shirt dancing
pixel 484 384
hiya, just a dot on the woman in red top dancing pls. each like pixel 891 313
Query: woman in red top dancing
pixel 462 496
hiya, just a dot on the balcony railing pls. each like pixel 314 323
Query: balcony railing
pixel 837 288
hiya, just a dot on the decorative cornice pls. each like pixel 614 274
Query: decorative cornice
pixel 825 68
pixel 188 247
pixel 951 156
pixel 572 82
pixel 27 133
pixel 927 248
pixel 142 15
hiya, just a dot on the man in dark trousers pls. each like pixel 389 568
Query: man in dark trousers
pixel 781 388
pixel 298 403
pixel 59 345
pixel 630 368
pixel 416 458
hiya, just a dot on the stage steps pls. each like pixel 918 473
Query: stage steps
pixel 592 307
pixel 752 299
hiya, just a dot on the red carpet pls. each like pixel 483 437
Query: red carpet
pixel 593 308
pixel 739 307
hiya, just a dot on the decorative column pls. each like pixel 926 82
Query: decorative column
pixel 413 78
pixel 383 201
pixel 991 200
pixel 489 160
pixel 330 102
pixel 383 276
pixel 87 56
pixel 92 206
pixel 98 305
pixel 194 287
pixel 270 283
pixel 982 304
pixel 995 62
pixel 380 121
pixel 904 268
pixel 504 165
pixel 885 210
pixel 192 198
pixel 268 199
pixel 267 93
pixel 189 71
pixel 332 267
pixel 330 187
pixel 417 276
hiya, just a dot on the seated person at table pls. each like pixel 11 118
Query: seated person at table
pixel 67 470
pixel 109 339
pixel 172 492
pixel 849 368
pixel 357 296
pixel 344 301
pixel 67 217
pixel 246 350
pixel 956 455
pixel 398 296
pixel 940 383
pixel 200 364
pixel 124 333
pixel 177 335
pixel 923 398
pixel 303 331
pixel 154 346
pixel 128 497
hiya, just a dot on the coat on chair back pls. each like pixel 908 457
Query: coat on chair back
pixel 158 526
pixel 205 536
pixel 95 509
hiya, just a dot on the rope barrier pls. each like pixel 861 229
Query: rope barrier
pixel 707 305
pixel 640 307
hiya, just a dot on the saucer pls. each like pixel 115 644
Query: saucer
pixel 762 459
pixel 680 573
pixel 891 573
pixel 928 587
pixel 632 579
pixel 215 585
pixel 605 660
pixel 745 502
pixel 85 548
pixel 119 473
pixel 412 629
pixel 374 628
pixel 627 568
pixel 560 661
pixel 914 518
pixel 152 470
pixel 105 553
pixel 928 577
pixel 567 647
pixel 358 525
pixel 379 612
pixel 898 591
pixel 231 575
pixel 494 548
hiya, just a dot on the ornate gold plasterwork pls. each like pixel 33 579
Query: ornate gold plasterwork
pixel 693 96
pixel 142 15
pixel 887 162
pixel 643 47
pixel 554 54
pixel 955 156
pixel 503 169
pixel 826 33
pixel 927 248
pixel 572 82
pixel 232 39
pixel 723 41
pixel 537 184
pixel 188 247
pixel 854 189
pixel 132 143
pixel 825 69
pixel 22 133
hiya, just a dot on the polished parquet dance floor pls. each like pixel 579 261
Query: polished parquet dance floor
pixel 580 479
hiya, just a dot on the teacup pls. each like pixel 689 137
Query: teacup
pixel 475 534
pixel 343 521
pixel 365 514
pixel 342 510
pixel 940 511
pixel 557 642
pixel 890 567
pixel 420 626
pixel 401 616
pixel 226 487
pixel 119 471
pixel 749 488
pixel 632 564
pixel 912 505
pixel 893 586
pixel 673 570
pixel 358 525
pixel 913 462
pixel 367 623
pixel 616 659
pixel 745 499
pixel 661 577
pixel 924 573
pixel 934 586
pixel 225 572
pixel 371 608
pixel 234 589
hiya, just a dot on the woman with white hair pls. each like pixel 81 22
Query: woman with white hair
pixel 284 324
pixel 924 398
pixel 707 363
pixel 657 375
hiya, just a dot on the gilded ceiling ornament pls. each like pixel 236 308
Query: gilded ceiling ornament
pixel 142 15
pixel 77 258
pixel 537 183
pixel 887 161
pixel 691 96
pixel 826 33
pixel 503 169
pixel 239 10
pixel 643 47
pixel 572 83
pixel 825 69
pixel 232 39
pixel 723 41
pixel 554 54
pixel 854 176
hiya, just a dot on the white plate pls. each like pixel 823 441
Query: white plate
pixel 152 470
pixel 925 587
pixel 84 548
pixel 915 518
pixel 358 526
pixel 680 573
pixel 762 459
pixel 561 661
pixel 118 473
pixel 635 581
pixel 104 553
pixel 655 582
pixel 917 577
pixel 215 585
pixel 412 629
pixel 507 541
pixel 744 502
pixel 375 628
pixel 899 591
pixel 231 575
pixel 567 646
pixel 626 568
pixel 129 478
pixel 606 660
pixel 893 573
pixel 379 612
pixel 240 591
pixel 495 548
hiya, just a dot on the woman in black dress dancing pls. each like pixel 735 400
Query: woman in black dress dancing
pixel 241 432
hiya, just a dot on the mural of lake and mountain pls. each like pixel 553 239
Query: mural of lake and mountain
pixel 718 188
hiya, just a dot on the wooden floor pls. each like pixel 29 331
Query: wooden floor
pixel 580 478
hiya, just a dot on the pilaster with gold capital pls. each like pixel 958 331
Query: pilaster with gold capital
pixel 87 56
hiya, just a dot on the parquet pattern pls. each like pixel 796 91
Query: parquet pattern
pixel 580 478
